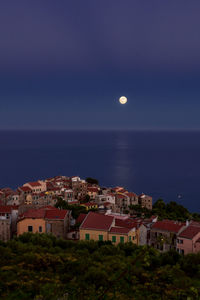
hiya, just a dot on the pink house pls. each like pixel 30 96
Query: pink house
pixel 188 240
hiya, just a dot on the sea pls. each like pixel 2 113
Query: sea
pixel 163 164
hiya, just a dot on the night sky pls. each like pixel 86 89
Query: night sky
pixel 64 64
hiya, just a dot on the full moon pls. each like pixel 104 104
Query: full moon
pixel 123 100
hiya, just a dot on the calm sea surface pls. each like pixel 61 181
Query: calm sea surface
pixel 162 164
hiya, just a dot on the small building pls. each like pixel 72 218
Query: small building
pixel 45 220
pixel 96 227
pixel 188 241
pixel 122 235
pixel 99 227
pixel 14 198
pixel 163 235
pixel 24 191
pixel 145 201
pixel 79 188
pixel 92 192
pixel 37 186
pixel 133 198
pixel 90 205
pixel 8 219
pixel 68 195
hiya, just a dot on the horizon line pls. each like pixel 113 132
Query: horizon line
pixel 102 129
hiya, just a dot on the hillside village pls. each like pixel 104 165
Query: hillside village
pixel 107 215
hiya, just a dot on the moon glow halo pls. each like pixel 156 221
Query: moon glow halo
pixel 123 100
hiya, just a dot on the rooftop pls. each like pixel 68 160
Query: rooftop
pixel 190 232
pixel 119 230
pixel 35 183
pixel 7 208
pixel 97 221
pixel 47 212
pixel 168 225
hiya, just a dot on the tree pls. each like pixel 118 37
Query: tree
pixel 92 180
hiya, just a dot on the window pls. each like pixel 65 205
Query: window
pixel 180 241
pixel 133 237
pixel 100 237
pixel 114 239
pixel 121 239
pixel 129 238
pixel 40 228
pixel 30 228
pixel 87 237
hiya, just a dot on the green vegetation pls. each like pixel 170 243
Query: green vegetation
pixel 76 209
pixel 92 180
pixel 140 211
pixel 39 266
pixel 171 211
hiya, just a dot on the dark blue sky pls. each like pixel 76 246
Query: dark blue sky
pixel 64 64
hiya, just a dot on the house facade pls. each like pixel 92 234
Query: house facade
pixel 163 234
pixel 145 201
pixel 45 220
pixel 100 227
pixel 36 186
pixel 188 241
pixel 8 221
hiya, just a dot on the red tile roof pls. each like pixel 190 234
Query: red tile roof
pixel 34 213
pixel 56 214
pixel 196 223
pixel 120 230
pixel 7 208
pixel 80 218
pixel 121 196
pixel 47 212
pixel 97 222
pixel 168 225
pixel 131 194
pixel 128 223
pixel 190 232
pixel 35 183
pixel 25 188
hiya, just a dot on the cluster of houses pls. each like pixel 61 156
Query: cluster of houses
pixel 31 208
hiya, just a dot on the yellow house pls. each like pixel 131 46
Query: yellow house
pixel 45 220
pixel 90 205
pixel 95 227
pixel 122 235
pixel 99 227
pixel 32 221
